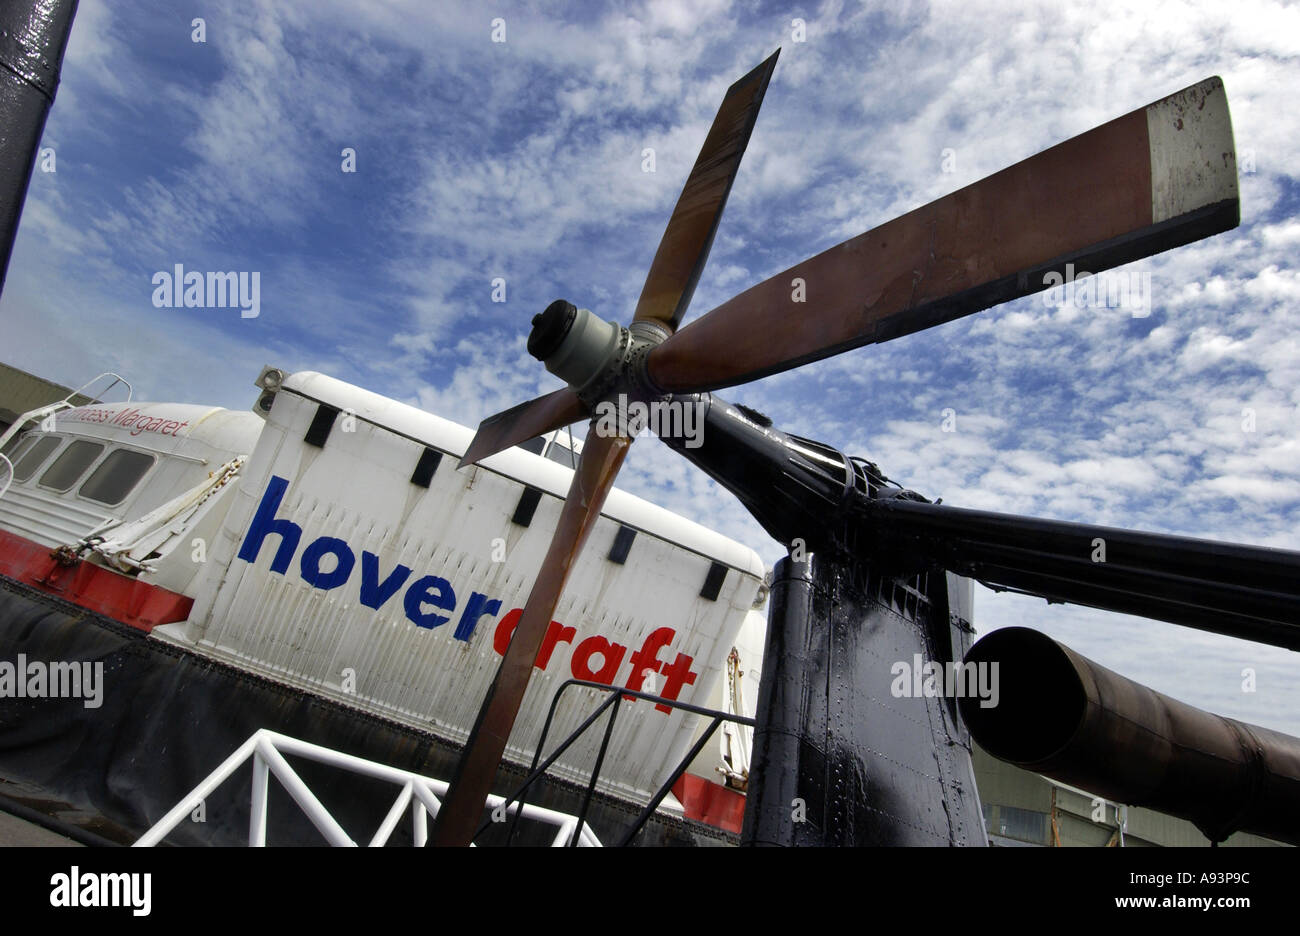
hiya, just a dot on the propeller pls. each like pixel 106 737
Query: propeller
pixel 523 422
pixel 1159 177
pixel 567 337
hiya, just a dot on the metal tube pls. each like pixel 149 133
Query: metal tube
pixel 33 36
pixel 394 815
pixel 562 836
pixel 320 816
pixel 420 824
pixel 257 808
pixel 1064 716
pixel 1243 591
pixel 199 793
pixel 428 799
pixel 595 771
pixel 532 769
pixel 555 755
pixel 667 785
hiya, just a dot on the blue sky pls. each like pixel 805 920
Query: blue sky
pixel 523 160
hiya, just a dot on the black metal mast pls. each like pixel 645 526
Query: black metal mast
pixel 33 36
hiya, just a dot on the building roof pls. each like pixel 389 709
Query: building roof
pixel 21 392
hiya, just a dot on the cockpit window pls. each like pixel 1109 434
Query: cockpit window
pixel 34 457
pixel 70 465
pixel 558 453
pixel 14 448
pixel 17 447
pixel 116 476
pixel 534 445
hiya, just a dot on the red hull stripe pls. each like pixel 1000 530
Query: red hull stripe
pixel 712 803
pixel 120 597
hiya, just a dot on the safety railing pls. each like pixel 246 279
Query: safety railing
pixel 616 694
pixel 421 794
pixel 44 414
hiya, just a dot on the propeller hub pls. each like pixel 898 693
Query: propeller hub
pixel 580 348
pixel 595 357
pixel 550 328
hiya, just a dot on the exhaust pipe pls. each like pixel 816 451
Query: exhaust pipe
pixel 1062 715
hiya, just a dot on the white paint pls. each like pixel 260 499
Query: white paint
pixel 201 441
pixel 357 489
pixel 1193 160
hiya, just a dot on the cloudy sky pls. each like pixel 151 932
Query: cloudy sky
pixel 523 160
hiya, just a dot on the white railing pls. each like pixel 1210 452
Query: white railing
pixel 44 414
pixel 422 794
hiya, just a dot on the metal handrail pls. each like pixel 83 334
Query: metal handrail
pixel 422 794
pixel 117 379
pixel 49 409
pixel 616 694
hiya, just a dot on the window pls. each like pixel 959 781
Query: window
pixel 534 445
pixel 15 447
pixel 70 465
pixel 558 453
pixel 116 476
pixel 1025 825
pixel 34 457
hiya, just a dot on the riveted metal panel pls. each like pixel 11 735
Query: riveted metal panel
pixel 843 753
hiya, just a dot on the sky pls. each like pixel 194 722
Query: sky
pixel 505 145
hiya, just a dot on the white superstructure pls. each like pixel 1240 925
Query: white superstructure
pixel 330 543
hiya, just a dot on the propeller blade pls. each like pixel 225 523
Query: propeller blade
pixel 685 246
pixel 664 298
pixel 602 455
pixel 1159 177
pixel 523 422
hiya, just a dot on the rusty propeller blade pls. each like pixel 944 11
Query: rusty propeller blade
pixel 523 422
pixel 664 298
pixel 682 252
pixel 463 806
pixel 1159 177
